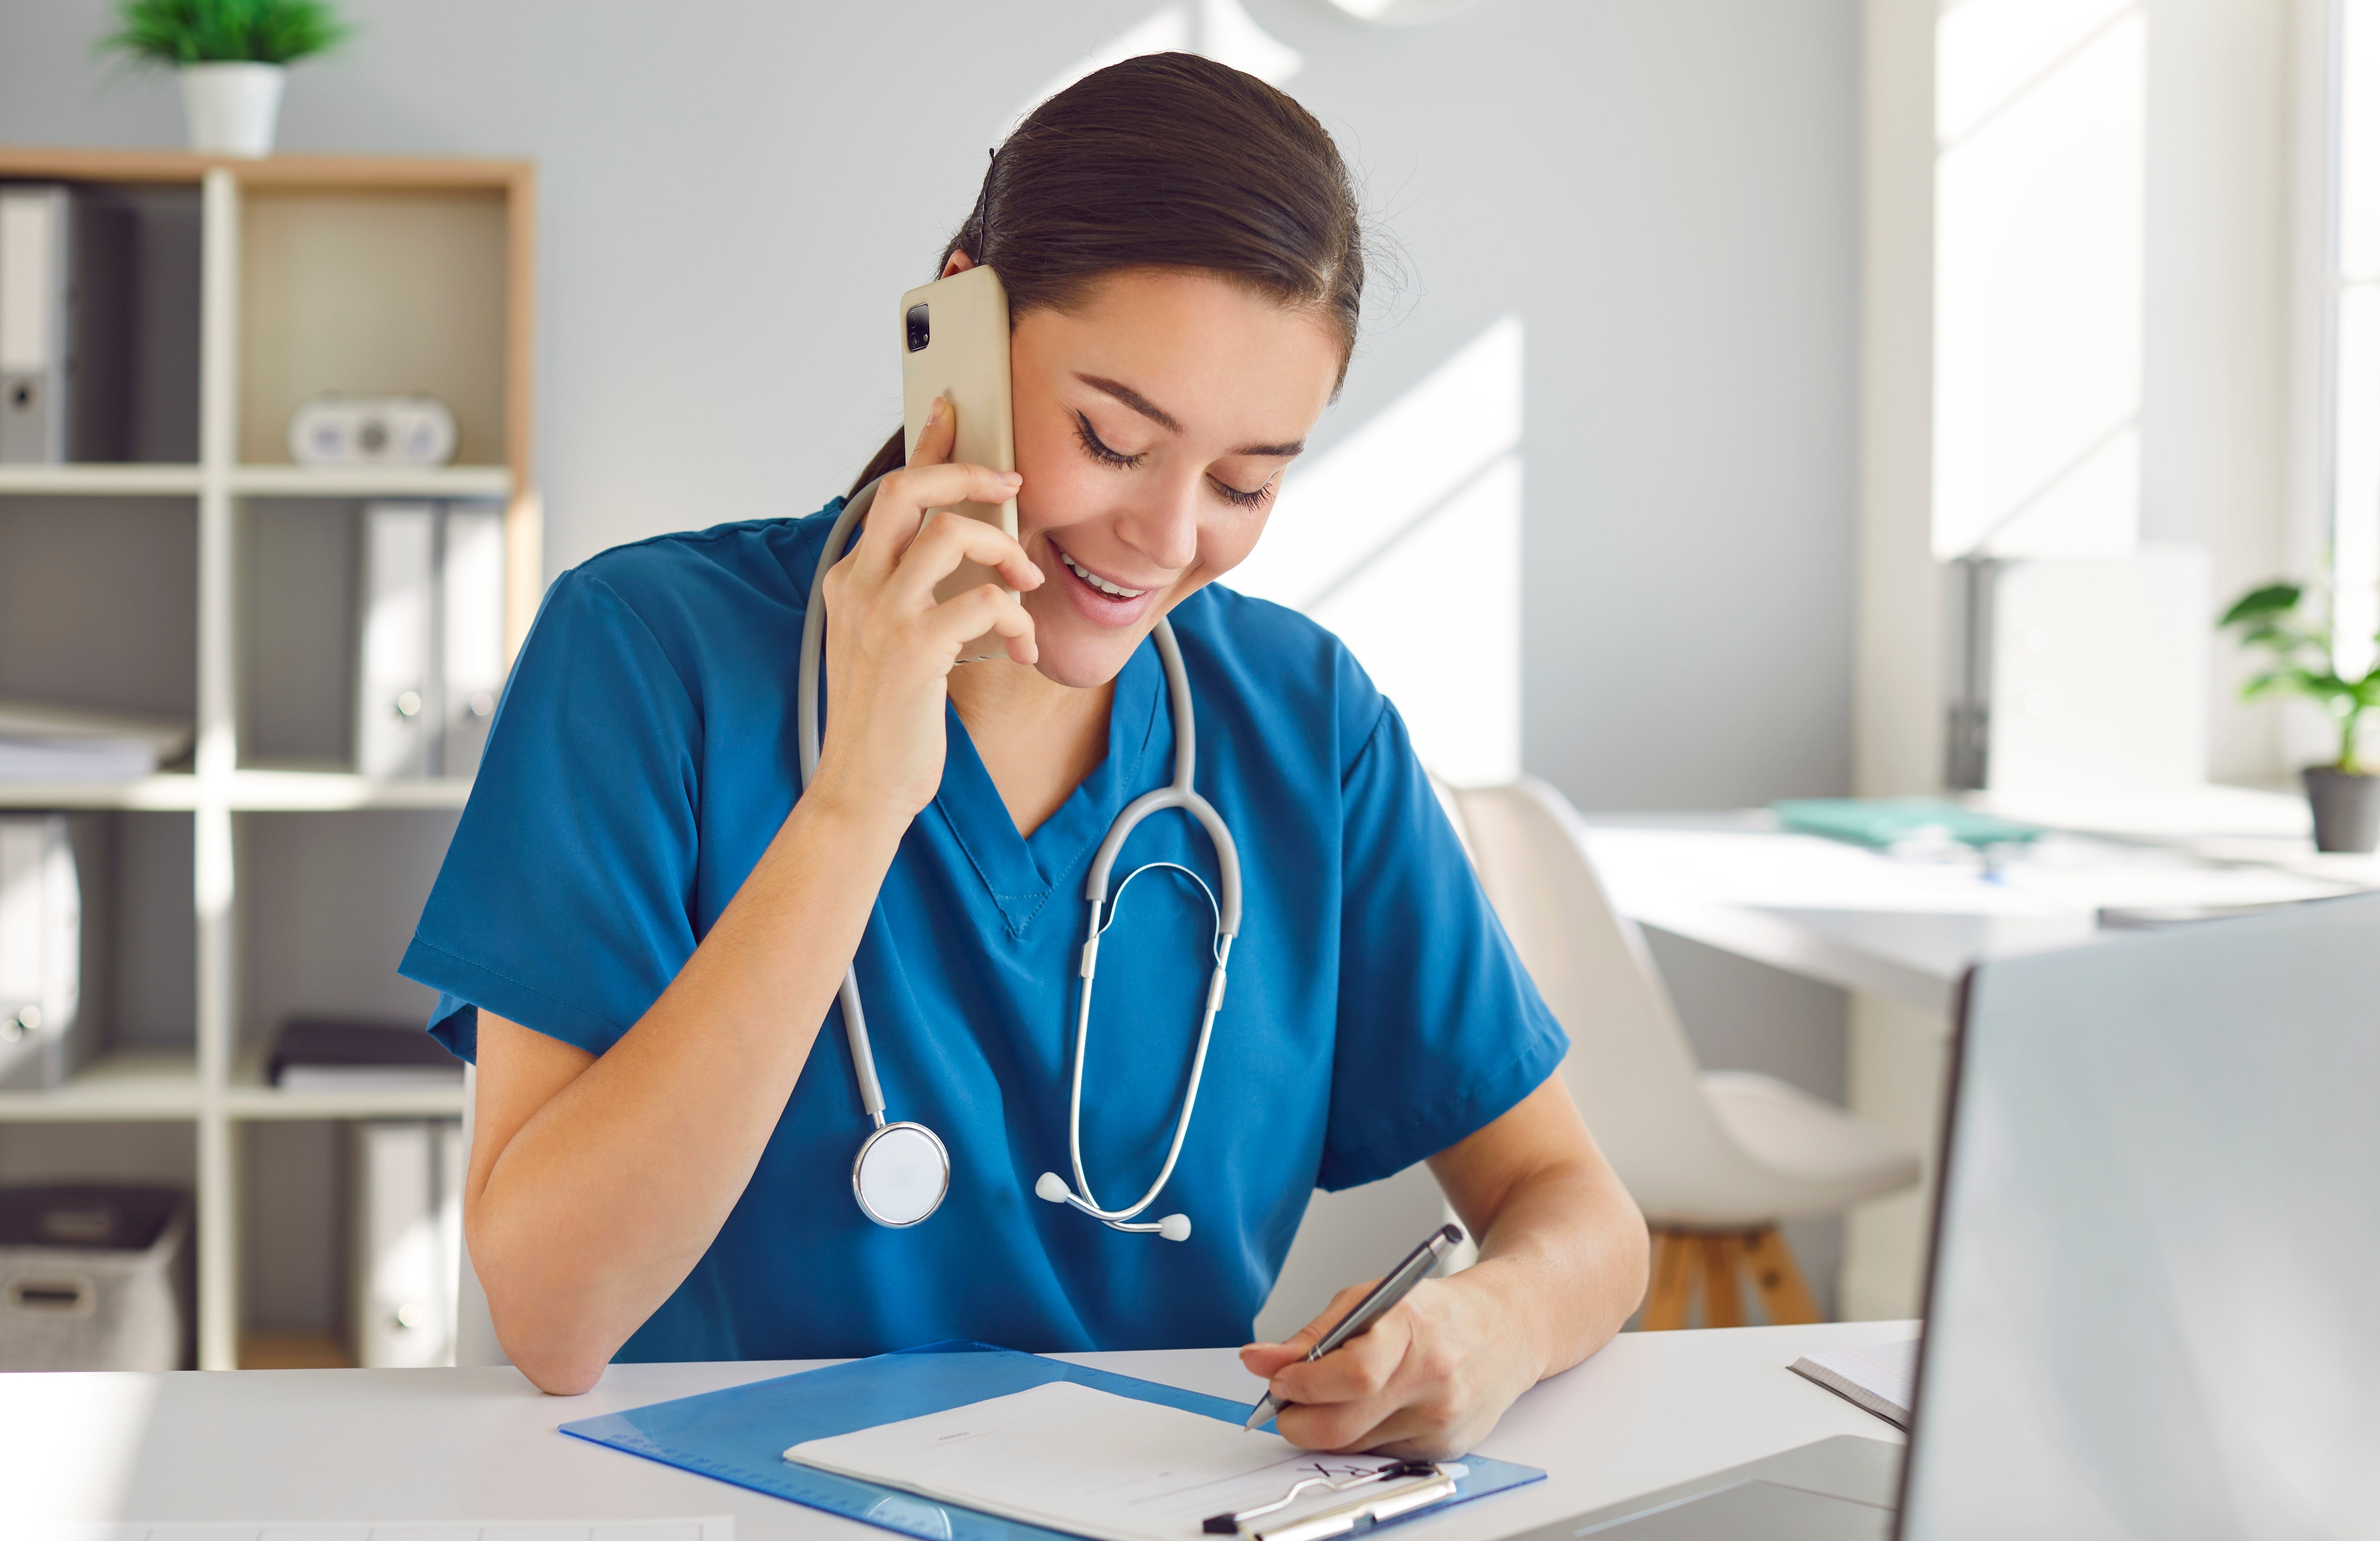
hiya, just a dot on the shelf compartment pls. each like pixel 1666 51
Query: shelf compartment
pixel 128 1086
pixel 99 603
pixel 362 292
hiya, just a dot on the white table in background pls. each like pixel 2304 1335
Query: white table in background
pixel 423 1444
pixel 1899 933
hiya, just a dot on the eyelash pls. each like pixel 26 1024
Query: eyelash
pixel 1100 451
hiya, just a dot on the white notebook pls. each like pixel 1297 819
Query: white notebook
pixel 1075 1459
pixel 1881 1378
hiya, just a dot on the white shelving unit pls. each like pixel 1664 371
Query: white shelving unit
pixel 424 223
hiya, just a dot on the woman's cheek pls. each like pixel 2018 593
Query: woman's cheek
pixel 1224 544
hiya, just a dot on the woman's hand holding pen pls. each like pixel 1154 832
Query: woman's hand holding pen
pixel 1427 1382
pixel 891 645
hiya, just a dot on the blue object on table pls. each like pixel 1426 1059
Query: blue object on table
pixel 740 1435
pixel 1882 822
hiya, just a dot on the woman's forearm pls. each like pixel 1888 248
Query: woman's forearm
pixel 1566 1259
pixel 599 1203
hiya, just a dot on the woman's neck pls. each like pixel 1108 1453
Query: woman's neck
pixel 1036 737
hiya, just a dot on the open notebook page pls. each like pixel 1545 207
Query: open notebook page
pixel 1075 1459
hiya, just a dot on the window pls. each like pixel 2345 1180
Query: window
pixel 2351 430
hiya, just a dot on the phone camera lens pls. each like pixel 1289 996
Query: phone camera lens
pixel 920 334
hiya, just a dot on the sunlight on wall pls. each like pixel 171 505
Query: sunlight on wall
pixel 2040 121
pixel 1405 540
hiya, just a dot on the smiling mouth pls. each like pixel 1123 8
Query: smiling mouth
pixel 1112 590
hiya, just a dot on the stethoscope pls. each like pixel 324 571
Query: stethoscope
pixel 903 1170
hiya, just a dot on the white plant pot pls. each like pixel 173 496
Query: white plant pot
pixel 232 107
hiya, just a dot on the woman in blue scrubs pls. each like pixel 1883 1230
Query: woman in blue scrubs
pixel 641 926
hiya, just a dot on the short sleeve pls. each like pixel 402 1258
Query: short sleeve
pixel 566 902
pixel 1440 1031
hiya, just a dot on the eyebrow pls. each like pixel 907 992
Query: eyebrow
pixel 1166 420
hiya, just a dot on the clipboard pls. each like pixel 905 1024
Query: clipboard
pixel 739 1435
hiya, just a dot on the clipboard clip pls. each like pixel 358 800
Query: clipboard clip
pixel 1424 1483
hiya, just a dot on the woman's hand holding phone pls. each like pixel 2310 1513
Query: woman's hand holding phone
pixel 890 647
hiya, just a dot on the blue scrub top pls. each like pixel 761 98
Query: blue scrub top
pixel 642 759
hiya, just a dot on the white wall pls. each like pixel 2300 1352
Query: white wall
pixel 1664 194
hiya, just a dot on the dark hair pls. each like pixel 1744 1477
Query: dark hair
pixel 1166 160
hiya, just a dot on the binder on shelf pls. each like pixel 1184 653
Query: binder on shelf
pixel 471 600
pixel 393 693
pixel 65 286
pixel 406 1241
pixel 431 663
pixel 50 941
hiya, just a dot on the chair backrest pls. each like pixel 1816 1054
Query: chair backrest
pixel 1630 1068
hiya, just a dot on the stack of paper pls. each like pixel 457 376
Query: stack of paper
pixel 1073 1458
pixel 58 743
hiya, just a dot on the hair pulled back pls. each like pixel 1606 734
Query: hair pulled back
pixel 1167 161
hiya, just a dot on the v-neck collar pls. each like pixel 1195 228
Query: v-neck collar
pixel 1020 873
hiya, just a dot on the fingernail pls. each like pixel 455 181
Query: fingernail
pixel 1012 479
pixel 934 413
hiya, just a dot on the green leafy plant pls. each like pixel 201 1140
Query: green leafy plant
pixel 2276 617
pixel 222 31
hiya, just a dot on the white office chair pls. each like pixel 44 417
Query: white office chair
pixel 1715 1158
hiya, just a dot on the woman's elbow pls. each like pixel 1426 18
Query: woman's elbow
pixel 560 1364
pixel 557 1375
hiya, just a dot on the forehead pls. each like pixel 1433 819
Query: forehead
pixel 1228 363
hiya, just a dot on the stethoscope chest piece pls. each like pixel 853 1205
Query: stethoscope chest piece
pixel 901 1173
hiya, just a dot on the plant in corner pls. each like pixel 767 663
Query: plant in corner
pixel 232 56
pixel 2344 794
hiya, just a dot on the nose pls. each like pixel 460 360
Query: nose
pixel 1165 529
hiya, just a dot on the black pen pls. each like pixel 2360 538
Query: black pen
pixel 1372 1307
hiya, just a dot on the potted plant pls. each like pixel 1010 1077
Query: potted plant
pixel 232 56
pixel 2344 794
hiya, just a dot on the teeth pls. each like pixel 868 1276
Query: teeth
pixel 1102 585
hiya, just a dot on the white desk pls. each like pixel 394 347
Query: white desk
pixel 1906 931
pixel 293 1445
pixel 1899 933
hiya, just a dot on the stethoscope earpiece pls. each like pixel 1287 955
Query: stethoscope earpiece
pixel 1174 1228
pixel 903 1170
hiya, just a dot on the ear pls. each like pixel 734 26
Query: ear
pixel 960 261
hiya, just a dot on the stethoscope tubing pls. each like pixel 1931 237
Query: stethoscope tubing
pixel 1180 793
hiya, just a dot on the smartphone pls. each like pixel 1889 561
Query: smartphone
pixel 954 344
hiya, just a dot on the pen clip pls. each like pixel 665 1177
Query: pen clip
pixel 1229 1524
pixel 1378 1508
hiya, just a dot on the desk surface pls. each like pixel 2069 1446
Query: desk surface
pixel 290 1445
pixel 1907 929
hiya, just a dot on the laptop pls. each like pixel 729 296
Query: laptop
pixel 2157 1236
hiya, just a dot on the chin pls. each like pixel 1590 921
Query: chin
pixel 1086 661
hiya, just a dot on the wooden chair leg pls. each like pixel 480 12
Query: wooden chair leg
pixel 1782 1292
pixel 1722 1281
pixel 1666 1305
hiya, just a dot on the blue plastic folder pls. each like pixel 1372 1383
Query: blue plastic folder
pixel 740 1435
